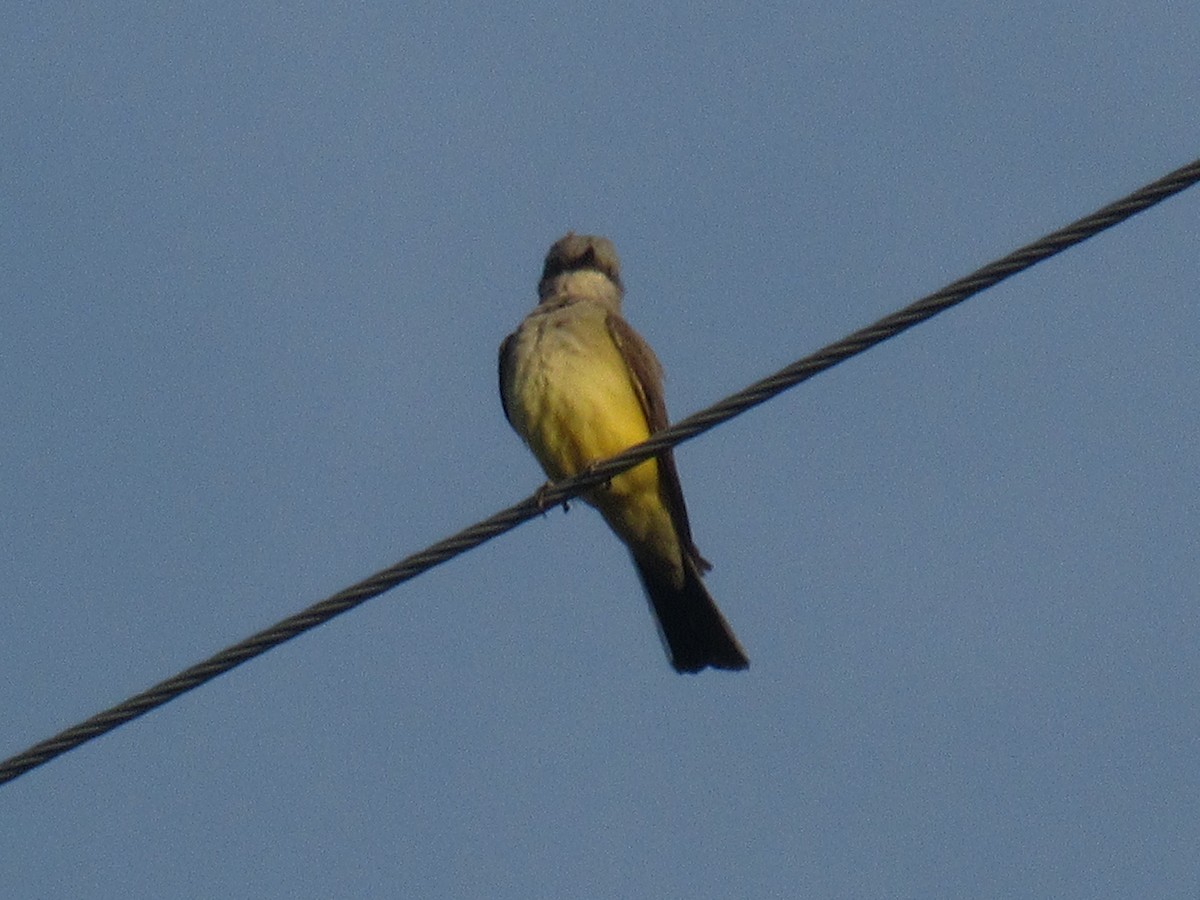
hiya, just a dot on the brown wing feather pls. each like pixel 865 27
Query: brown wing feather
pixel 647 375
pixel 507 348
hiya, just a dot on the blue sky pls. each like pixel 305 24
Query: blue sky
pixel 255 264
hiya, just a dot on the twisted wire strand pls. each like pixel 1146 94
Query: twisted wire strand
pixel 552 494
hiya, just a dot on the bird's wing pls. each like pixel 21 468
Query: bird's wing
pixel 647 376
pixel 508 348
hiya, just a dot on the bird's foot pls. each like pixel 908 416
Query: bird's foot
pixel 606 484
pixel 539 497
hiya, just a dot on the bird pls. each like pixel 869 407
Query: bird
pixel 578 385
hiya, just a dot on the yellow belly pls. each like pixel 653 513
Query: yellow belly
pixel 572 399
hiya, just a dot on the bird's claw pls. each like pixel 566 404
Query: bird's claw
pixel 606 484
pixel 539 497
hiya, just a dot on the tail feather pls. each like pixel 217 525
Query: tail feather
pixel 693 631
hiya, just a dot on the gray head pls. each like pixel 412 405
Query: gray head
pixel 579 253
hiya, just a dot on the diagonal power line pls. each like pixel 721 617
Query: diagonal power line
pixel 531 506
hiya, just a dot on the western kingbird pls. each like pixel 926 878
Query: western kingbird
pixel 578 385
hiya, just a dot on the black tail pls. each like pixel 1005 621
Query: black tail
pixel 693 630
